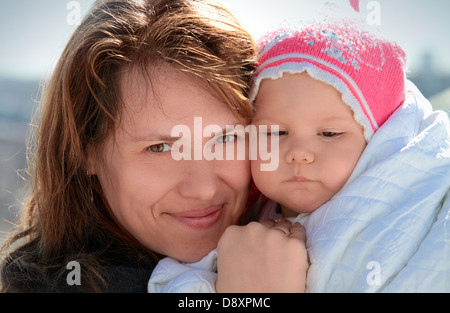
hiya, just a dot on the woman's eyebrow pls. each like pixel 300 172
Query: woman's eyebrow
pixel 164 137
pixel 154 137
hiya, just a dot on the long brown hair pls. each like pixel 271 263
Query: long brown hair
pixel 66 217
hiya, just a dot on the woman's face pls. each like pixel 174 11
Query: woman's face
pixel 175 208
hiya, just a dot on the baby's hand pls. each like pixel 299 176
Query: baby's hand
pixel 293 231
pixel 262 257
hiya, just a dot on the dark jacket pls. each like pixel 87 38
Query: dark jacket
pixel 120 273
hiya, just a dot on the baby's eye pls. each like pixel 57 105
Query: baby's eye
pixel 277 133
pixel 329 134
pixel 159 147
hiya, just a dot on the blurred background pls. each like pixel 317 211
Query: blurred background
pixel 34 33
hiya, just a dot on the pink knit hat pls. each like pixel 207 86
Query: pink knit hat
pixel 369 71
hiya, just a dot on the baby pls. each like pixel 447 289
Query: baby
pixel 325 91
pixel 329 88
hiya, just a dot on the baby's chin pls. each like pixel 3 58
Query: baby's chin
pixel 294 208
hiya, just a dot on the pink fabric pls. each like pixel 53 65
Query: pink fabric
pixel 355 5
pixel 371 69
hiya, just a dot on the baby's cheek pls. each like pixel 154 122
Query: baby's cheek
pixel 265 181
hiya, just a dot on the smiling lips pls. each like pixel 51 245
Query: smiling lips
pixel 199 218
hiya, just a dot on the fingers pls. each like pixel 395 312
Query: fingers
pixel 268 223
pixel 283 223
pixel 297 231
pixel 284 226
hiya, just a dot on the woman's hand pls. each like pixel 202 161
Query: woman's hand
pixel 262 257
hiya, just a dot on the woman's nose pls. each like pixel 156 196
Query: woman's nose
pixel 199 180
pixel 299 152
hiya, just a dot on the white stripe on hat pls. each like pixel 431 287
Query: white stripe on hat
pixel 326 64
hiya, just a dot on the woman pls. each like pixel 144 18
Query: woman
pixel 105 190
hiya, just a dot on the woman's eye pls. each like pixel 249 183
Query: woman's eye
pixel 160 147
pixel 226 138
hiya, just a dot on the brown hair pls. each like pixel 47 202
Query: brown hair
pixel 66 217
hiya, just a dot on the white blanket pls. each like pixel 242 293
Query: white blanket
pixel 388 230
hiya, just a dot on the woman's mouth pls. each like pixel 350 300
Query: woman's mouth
pixel 199 218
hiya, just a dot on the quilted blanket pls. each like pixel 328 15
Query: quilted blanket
pixel 388 230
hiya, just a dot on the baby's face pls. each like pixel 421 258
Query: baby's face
pixel 320 143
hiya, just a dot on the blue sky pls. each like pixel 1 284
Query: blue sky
pixel 33 33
